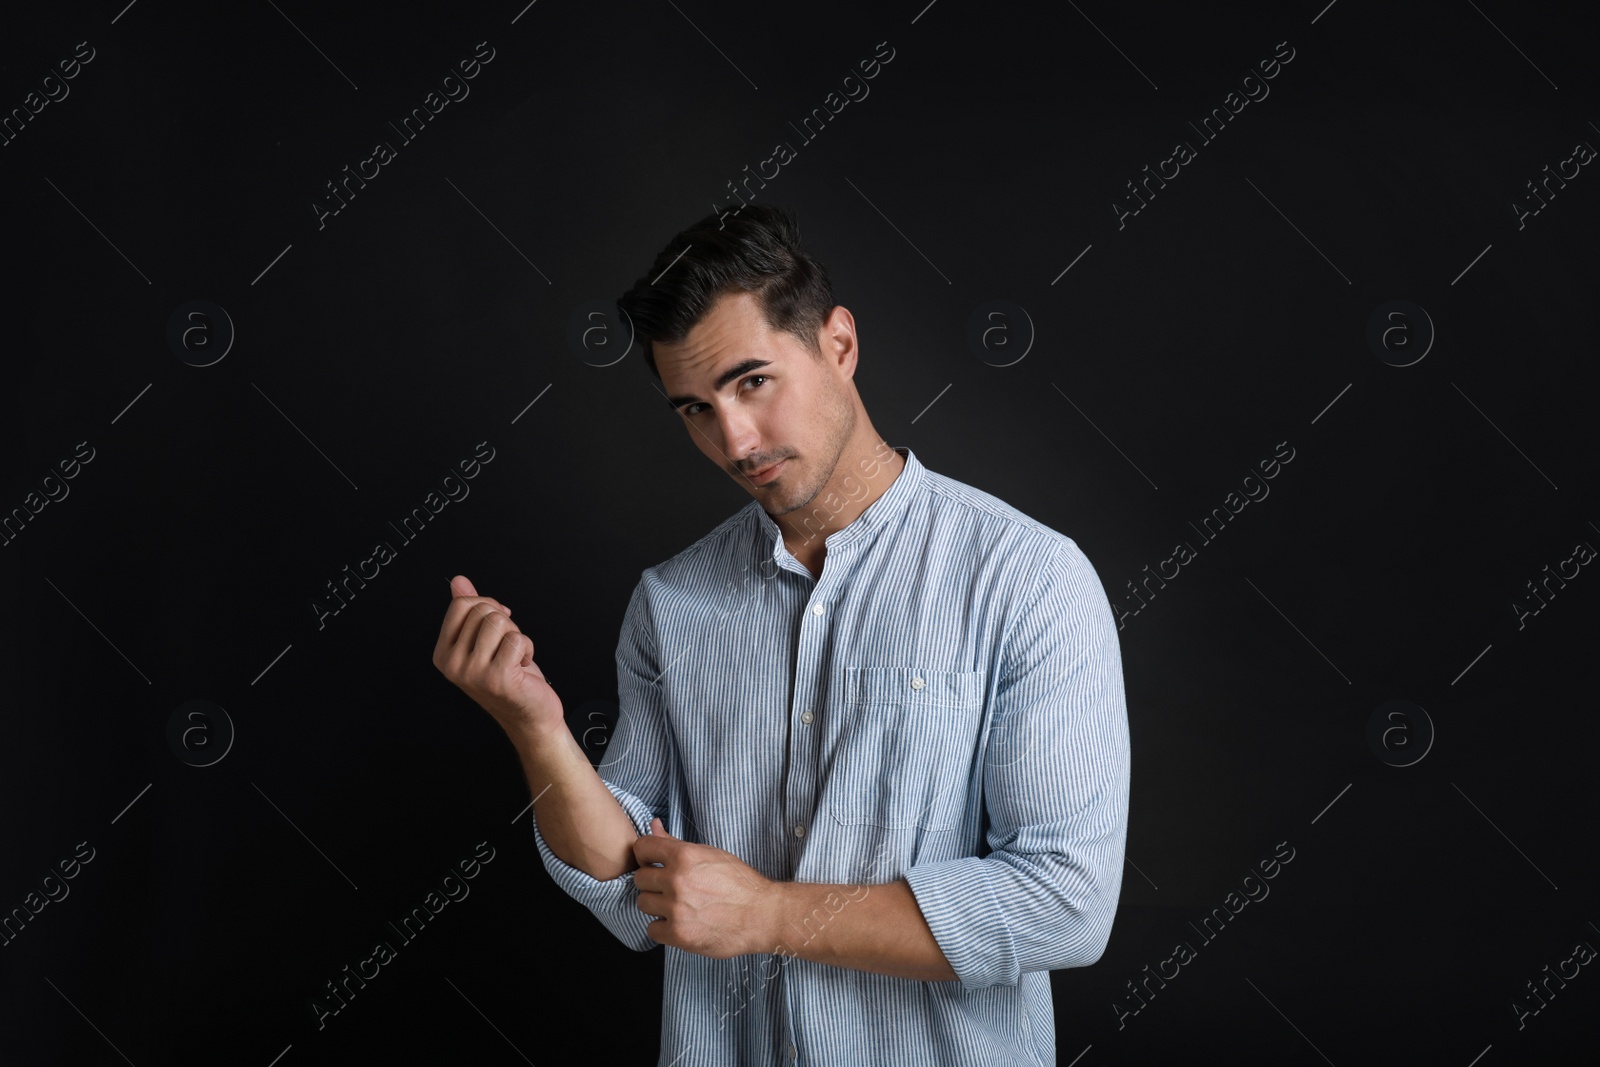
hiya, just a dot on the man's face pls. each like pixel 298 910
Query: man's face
pixel 753 397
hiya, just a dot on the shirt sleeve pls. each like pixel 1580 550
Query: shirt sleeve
pixel 635 768
pixel 1056 774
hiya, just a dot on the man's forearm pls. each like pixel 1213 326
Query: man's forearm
pixel 579 817
pixel 877 928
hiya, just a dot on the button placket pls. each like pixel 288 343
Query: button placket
pixel 801 786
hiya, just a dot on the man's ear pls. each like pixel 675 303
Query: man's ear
pixel 838 340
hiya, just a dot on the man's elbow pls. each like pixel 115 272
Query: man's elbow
pixel 1086 930
pixel 1091 951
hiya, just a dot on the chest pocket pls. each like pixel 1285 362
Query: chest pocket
pixel 908 753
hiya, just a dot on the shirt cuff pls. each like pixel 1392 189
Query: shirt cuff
pixel 613 901
pixel 960 906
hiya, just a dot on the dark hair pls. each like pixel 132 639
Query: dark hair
pixel 755 249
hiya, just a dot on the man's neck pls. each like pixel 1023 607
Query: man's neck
pixel 805 530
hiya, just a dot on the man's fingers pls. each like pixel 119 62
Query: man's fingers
pixel 471 635
pixel 461 624
pixel 651 849
pixel 655 906
pixel 510 653
pixel 456 617
pixel 461 588
pixel 491 628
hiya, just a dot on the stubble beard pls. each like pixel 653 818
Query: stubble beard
pixel 843 418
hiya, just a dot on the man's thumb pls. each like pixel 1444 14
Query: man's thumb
pixel 459 586
pixel 658 828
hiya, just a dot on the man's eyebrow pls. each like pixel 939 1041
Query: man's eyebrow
pixel 744 366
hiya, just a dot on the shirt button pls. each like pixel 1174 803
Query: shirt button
pixel 816 609
pixel 806 717
pixel 916 683
pixel 799 831
pixel 789 1052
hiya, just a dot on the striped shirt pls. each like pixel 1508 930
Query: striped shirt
pixel 944 704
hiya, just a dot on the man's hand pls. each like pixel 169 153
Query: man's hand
pixel 707 901
pixel 481 650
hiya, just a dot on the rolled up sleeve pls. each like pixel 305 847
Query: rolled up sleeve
pixel 613 901
pixel 636 769
pixel 1056 776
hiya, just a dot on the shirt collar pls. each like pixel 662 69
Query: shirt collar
pixel 888 507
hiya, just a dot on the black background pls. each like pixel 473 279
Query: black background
pixel 375 352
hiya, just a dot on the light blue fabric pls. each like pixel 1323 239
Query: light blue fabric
pixel 944 704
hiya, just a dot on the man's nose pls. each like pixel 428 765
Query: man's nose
pixel 739 436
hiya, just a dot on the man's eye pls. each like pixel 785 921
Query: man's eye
pixel 693 409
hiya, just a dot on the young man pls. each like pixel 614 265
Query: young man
pixel 869 781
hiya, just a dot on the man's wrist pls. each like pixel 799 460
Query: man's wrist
pixel 550 757
pixel 532 740
pixel 775 916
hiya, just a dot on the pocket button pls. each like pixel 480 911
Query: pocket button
pixel 907 745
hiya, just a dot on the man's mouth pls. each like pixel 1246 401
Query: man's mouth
pixel 766 475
